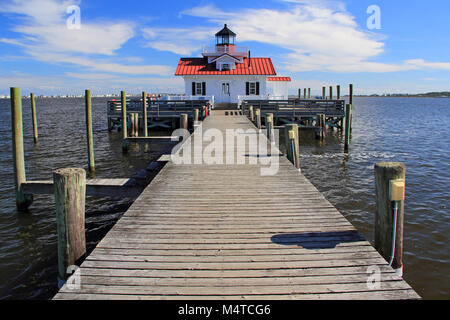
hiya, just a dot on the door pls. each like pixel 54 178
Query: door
pixel 226 94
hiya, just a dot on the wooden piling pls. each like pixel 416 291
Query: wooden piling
pixel 331 93
pixel 134 117
pixel 390 190
pixel 196 113
pixel 144 114
pixel 350 94
pixel 348 125
pixel 269 126
pixel 300 93
pixel 258 118
pixel 22 201
pixel 321 124
pixel 89 131
pixel 70 194
pixel 292 144
pixel 33 115
pixel 184 121
pixel 309 93
pixel 304 93
pixel 123 98
pixel 338 92
pixel 351 102
pixel 324 96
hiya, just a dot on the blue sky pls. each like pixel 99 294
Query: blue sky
pixel 135 45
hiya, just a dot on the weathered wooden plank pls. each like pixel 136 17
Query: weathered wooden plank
pixel 222 274
pixel 361 295
pixel 231 266
pixel 238 290
pixel 260 258
pixel 95 187
pixel 226 282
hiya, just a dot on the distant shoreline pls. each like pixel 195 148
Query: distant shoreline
pixel 425 95
pixel 399 96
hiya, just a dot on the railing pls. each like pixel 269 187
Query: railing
pixel 260 97
pixel 155 107
pixel 211 99
pixel 297 107
pixel 225 49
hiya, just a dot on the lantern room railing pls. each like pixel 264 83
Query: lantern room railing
pixel 219 50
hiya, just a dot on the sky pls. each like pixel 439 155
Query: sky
pixel 381 46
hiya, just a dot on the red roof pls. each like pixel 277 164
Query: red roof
pixel 200 66
pixel 287 79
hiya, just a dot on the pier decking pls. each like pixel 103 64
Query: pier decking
pixel 227 232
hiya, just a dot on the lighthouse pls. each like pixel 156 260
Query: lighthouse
pixel 230 74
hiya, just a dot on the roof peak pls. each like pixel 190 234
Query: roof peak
pixel 225 32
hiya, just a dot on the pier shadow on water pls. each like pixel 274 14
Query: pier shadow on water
pixel 317 240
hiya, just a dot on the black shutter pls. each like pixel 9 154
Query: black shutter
pixel 247 88
pixel 257 88
pixel 203 88
pixel 193 88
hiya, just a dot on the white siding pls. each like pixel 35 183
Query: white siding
pixel 278 89
pixel 237 86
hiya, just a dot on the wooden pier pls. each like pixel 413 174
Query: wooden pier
pixel 297 107
pixel 159 113
pixel 227 232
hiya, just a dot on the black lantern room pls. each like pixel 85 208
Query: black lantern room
pixel 225 37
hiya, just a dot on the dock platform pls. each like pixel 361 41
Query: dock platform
pixel 225 231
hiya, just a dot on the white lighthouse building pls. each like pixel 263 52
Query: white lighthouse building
pixel 230 74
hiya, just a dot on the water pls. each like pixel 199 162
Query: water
pixel 411 130
pixel 28 249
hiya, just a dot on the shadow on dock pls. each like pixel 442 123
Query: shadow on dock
pixel 317 240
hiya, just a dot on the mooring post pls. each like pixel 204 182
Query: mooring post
pixel 258 118
pixel 331 93
pixel 320 124
pixel 269 126
pixel 351 102
pixel 184 121
pixel 134 124
pixel 338 92
pixel 324 95
pixel 70 195
pixel 300 93
pixel 123 98
pixel 89 131
pixel 323 126
pixel 144 113
pixel 348 125
pixel 350 94
pixel 196 112
pixel 389 216
pixel 292 144
pixel 23 201
pixel 252 114
pixel 33 114
pixel 309 93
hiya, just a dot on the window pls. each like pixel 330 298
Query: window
pixel 198 88
pixel 226 88
pixel 225 66
pixel 252 88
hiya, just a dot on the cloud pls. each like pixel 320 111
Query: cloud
pixel 182 41
pixel 45 37
pixel 318 35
